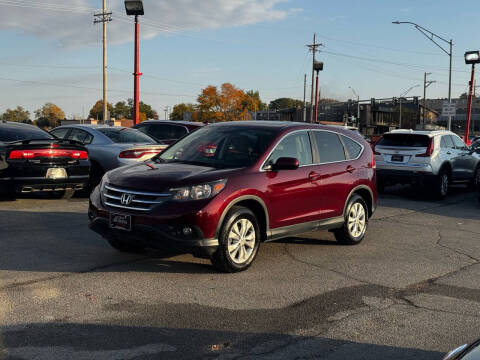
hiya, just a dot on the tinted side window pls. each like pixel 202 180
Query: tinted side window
pixel 78 135
pixel 330 149
pixel 352 148
pixel 27 133
pixel 142 128
pixel 459 144
pixel 167 132
pixel 60 133
pixel 297 146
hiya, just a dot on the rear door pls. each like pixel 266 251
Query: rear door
pixel 464 162
pixel 336 166
pixel 291 192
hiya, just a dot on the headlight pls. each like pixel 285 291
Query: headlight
pixel 198 192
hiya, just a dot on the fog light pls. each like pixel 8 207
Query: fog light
pixel 187 231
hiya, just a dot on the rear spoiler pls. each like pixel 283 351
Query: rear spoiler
pixel 29 141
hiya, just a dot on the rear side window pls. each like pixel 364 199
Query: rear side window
pixel 60 133
pixel 330 148
pixel 296 146
pixel 352 148
pixel 78 135
pixel 446 142
pixel 404 140
pixel 20 133
pixel 126 136
pixel 166 132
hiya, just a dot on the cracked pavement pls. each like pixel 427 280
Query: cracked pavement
pixel 410 290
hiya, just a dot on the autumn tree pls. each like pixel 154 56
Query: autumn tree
pixel 96 112
pixel 121 110
pixel 253 102
pixel 17 115
pixel 228 104
pixel 285 103
pixel 180 109
pixel 48 116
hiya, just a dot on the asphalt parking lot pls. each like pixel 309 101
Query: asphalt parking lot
pixel 411 290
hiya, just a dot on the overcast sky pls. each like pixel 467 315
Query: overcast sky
pixel 51 50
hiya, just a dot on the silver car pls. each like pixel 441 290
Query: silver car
pixel 110 147
pixel 432 158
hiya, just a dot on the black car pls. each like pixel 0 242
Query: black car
pixel 32 160
pixel 167 131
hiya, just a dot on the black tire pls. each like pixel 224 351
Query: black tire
pixel 441 184
pixel 222 259
pixel 346 235
pixel 475 183
pixel 124 246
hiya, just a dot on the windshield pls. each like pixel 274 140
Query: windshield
pixel 407 140
pixel 7 135
pixel 218 147
pixel 126 136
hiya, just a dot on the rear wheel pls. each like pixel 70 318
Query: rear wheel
pixel 238 241
pixel 441 184
pixel 355 222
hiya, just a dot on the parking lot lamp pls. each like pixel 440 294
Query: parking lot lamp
pixel 317 66
pixel 471 57
pixel 135 8
pixel 435 39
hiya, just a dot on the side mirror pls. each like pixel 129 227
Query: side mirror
pixel 285 163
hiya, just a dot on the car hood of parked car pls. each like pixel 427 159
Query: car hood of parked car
pixel 150 176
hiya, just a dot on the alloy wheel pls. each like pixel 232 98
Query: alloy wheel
pixel 356 220
pixel 241 241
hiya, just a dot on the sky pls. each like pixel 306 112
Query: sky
pixel 52 51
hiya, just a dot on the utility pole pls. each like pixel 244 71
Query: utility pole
pixel 304 98
pixel 104 17
pixel 313 47
pixel 425 85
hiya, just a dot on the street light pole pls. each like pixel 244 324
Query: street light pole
pixel 135 8
pixel 471 57
pixel 431 36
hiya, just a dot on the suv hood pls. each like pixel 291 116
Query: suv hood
pixel 149 176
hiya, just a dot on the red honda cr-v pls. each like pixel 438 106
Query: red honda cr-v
pixel 222 190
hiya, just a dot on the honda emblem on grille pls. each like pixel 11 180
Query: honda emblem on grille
pixel 126 199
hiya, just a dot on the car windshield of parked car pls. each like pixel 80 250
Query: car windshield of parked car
pixel 407 140
pixel 7 135
pixel 126 136
pixel 220 147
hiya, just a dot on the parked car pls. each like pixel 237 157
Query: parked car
pixel 32 160
pixel 465 352
pixel 222 190
pixel 110 147
pixel 167 132
pixel 434 159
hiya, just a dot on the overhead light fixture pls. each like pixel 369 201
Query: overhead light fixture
pixel 134 7
pixel 472 57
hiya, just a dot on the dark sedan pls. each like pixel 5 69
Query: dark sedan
pixel 167 132
pixel 32 160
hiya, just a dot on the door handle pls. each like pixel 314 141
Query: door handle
pixel 314 176
pixel 350 168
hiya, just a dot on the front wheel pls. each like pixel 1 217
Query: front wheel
pixel 238 241
pixel 355 222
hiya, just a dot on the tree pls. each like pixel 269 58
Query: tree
pixel 121 110
pixel 285 103
pixel 142 108
pixel 228 104
pixel 252 101
pixel 179 109
pixel 96 112
pixel 18 115
pixel 49 115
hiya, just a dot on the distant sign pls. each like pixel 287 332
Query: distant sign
pixel 449 109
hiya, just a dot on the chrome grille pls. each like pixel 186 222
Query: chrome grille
pixel 119 198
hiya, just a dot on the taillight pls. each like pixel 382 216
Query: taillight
pixel 48 153
pixel 372 162
pixel 429 151
pixel 138 153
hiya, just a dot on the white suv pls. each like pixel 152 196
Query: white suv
pixel 431 158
